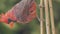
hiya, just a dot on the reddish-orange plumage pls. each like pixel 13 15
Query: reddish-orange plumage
pixel 4 18
pixel 21 16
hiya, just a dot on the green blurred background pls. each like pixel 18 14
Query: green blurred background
pixel 33 27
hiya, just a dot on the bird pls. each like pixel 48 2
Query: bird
pixel 23 12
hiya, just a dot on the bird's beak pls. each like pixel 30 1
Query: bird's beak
pixel 11 25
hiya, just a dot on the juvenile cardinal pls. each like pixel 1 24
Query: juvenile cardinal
pixel 23 12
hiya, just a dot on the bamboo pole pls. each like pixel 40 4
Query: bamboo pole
pixel 41 17
pixel 52 17
pixel 47 17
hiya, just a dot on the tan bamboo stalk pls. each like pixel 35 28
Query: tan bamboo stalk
pixel 41 17
pixel 47 17
pixel 52 17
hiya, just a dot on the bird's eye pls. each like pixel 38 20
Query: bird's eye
pixel 9 20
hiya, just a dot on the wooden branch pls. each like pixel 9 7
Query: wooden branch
pixel 52 17
pixel 47 17
pixel 41 17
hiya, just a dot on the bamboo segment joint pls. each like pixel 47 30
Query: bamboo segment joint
pixel 50 7
pixel 42 19
pixel 41 6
